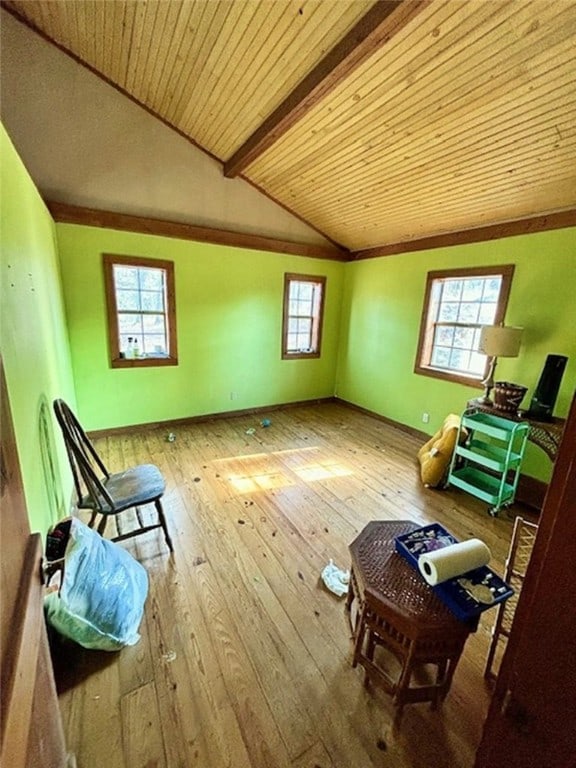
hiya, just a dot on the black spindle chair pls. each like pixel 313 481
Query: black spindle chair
pixel 105 493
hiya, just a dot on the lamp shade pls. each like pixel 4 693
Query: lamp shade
pixel 500 341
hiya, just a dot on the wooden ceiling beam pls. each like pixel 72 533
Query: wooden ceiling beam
pixel 558 220
pixel 383 21
pixel 92 217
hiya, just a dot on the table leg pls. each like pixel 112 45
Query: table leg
pixel 351 591
pixel 440 684
pixel 360 632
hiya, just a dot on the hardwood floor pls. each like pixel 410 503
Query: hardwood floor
pixel 244 660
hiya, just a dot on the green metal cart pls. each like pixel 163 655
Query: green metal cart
pixel 487 458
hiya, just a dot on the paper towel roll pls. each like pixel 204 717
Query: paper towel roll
pixel 453 560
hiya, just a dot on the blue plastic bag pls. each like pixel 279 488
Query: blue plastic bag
pixel 101 598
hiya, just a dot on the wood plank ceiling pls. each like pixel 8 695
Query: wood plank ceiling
pixel 380 123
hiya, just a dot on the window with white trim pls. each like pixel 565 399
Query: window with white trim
pixel 456 306
pixel 141 311
pixel 303 313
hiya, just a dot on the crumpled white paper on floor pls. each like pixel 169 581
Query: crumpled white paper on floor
pixel 335 579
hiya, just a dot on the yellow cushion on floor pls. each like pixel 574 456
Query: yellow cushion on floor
pixel 435 455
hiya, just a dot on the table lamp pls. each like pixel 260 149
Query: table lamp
pixel 497 341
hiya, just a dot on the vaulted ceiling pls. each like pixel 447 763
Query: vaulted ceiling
pixel 377 123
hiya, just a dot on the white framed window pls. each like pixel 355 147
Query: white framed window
pixel 141 311
pixel 303 313
pixel 457 304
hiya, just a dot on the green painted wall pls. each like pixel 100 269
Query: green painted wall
pixel 229 320
pixel 382 305
pixel 33 338
pixel 229 305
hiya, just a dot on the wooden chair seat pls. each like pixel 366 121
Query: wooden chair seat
pixel 131 488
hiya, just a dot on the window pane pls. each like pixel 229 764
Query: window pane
pixel 125 277
pixel 153 324
pixel 304 325
pixel 305 291
pixel 151 279
pixel 152 302
pixel 472 290
pixel 154 345
pixel 304 308
pixel 130 325
pixel 294 288
pixel 487 314
pixel 448 312
pixel 464 338
pixel 128 300
pixel 468 313
pixel 292 341
pixel 303 341
pixel 297 305
pixel 452 290
pixel 492 288
pixel 459 359
pixel 124 342
pixel 441 357
pixel 477 363
pixel 444 335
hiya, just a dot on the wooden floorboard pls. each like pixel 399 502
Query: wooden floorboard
pixel 244 657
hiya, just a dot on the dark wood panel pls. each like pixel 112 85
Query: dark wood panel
pixel 31 729
pixel 481 234
pixel 14 530
pixel 528 725
pixel 91 217
pixel 377 27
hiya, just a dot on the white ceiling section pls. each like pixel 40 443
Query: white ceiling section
pixel 85 144
pixel 382 123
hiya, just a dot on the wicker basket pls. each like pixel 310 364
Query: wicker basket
pixel 507 396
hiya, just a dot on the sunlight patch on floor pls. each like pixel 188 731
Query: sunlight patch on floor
pixel 261 480
pixel 322 471
pixel 264 455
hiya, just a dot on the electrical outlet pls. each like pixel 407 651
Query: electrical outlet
pixel 233 395
pixel 425 417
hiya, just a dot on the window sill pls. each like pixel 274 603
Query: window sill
pixel 299 355
pixel 438 373
pixel 143 362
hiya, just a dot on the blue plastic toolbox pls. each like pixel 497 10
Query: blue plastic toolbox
pixel 460 594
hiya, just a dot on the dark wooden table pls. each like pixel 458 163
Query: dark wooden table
pixel 396 609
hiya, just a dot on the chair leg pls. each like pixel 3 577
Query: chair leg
pixel 162 519
pixel 102 525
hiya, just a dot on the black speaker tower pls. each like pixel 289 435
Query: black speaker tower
pixel 544 398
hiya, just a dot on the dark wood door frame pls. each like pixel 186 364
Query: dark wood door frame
pixel 31 733
pixel 530 721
